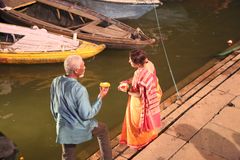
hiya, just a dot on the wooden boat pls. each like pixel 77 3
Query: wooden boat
pixel 67 18
pixel 121 9
pixel 21 45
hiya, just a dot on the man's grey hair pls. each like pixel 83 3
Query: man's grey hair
pixel 72 63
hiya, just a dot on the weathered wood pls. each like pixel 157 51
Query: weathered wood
pixel 110 31
pixel 17 4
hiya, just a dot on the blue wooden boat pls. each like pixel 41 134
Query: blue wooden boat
pixel 121 9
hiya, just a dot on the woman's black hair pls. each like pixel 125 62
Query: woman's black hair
pixel 138 56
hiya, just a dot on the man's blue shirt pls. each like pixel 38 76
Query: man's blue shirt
pixel 72 111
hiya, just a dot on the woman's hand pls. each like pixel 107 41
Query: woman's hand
pixel 124 87
pixel 128 81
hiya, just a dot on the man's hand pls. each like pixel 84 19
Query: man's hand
pixel 103 92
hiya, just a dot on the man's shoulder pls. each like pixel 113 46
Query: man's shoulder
pixel 79 86
pixel 56 78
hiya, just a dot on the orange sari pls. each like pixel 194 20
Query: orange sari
pixel 135 132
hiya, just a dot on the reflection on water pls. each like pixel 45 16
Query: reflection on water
pixel 193 33
pixel 5 87
pixel 215 6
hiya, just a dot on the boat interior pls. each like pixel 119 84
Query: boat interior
pixel 69 19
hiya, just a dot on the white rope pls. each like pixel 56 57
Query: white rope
pixel 165 53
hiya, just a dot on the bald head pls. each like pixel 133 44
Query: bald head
pixel 73 63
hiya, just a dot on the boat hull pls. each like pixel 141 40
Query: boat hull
pixel 118 10
pixel 93 35
pixel 86 50
pixel 116 43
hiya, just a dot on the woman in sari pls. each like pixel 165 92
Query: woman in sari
pixel 142 118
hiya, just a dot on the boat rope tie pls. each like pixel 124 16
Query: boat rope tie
pixel 165 53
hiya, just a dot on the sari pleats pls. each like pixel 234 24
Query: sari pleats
pixel 131 134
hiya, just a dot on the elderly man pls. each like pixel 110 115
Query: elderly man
pixel 73 113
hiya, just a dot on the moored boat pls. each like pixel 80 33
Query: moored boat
pixel 21 45
pixel 67 18
pixel 121 9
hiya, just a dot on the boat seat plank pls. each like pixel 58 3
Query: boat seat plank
pixel 125 34
pixel 116 28
pixel 17 4
pixel 109 31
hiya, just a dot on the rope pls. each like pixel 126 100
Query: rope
pixel 166 56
